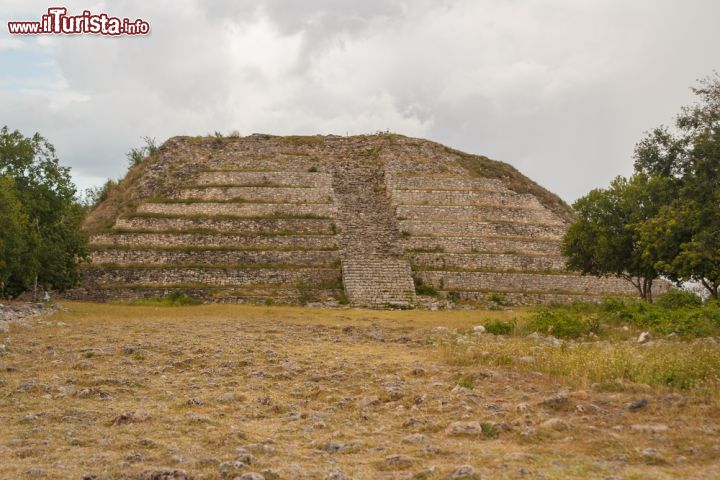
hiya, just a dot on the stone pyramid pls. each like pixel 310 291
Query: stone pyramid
pixel 365 219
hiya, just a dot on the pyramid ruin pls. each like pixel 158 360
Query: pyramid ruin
pixel 368 220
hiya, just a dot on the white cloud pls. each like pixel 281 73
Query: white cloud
pixel 560 88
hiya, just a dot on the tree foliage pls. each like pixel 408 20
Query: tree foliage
pixel 684 239
pixel 40 217
pixel 665 220
pixel 603 241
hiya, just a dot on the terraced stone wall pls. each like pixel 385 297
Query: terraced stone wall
pixel 331 219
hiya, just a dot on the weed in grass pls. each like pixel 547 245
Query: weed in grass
pixel 676 365
pixel 466 382
pixel 500 327
pixel 562 324
pixel 489 430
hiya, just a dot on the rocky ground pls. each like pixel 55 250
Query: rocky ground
pixel 23 313
pixel 113 392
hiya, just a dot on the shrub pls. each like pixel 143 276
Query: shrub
pixel 560 324
pixel 466 382
pixel 498 298
pixel 453 296
pixel 308 293
pixel 422 289
pixel 175 299
pixel 500 327
pixel 342 299
pixel 693 320
pixel 675 299
pixel 137 155
pixel 312 169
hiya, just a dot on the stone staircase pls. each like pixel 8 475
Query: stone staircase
pixel 378 281
pixel 375 272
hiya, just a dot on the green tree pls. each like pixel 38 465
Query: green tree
pixel 684 238
pixel 47 195
pixel 603 240
pixel 18 243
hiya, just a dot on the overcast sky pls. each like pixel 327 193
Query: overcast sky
pixel 561 89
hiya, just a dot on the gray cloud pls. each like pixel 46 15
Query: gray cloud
pixel 561 89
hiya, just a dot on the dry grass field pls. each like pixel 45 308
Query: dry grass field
pixel 118 391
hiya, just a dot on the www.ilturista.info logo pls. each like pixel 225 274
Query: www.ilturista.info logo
pixel 57 21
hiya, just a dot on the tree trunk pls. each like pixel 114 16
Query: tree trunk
pixel 645 288
pixel 711 287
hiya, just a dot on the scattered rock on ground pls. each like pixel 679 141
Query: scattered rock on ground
pixel 555 424
pixel 251 476
pixel 138 416
pixel 463 471
pixel 557 401
pixel 638 404
pixel 165 474
pixel 464 428
pixel 650 428
pixel 399 461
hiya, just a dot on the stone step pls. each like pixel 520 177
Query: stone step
pixel 468 229
pixel 239 209
pixel 477 214
pixel 485 199
pixel 483 244
pixel 209 277
pixel 260 163
pixel 446 184
pixel 521 298
pixel 374 273
pixel 283 179
pixel 262 295
pixel 485 261
pixel 315 258
pixel 378 281
pixel 196 240
pixel 246 226
pixel 257 194
pixel 500 282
